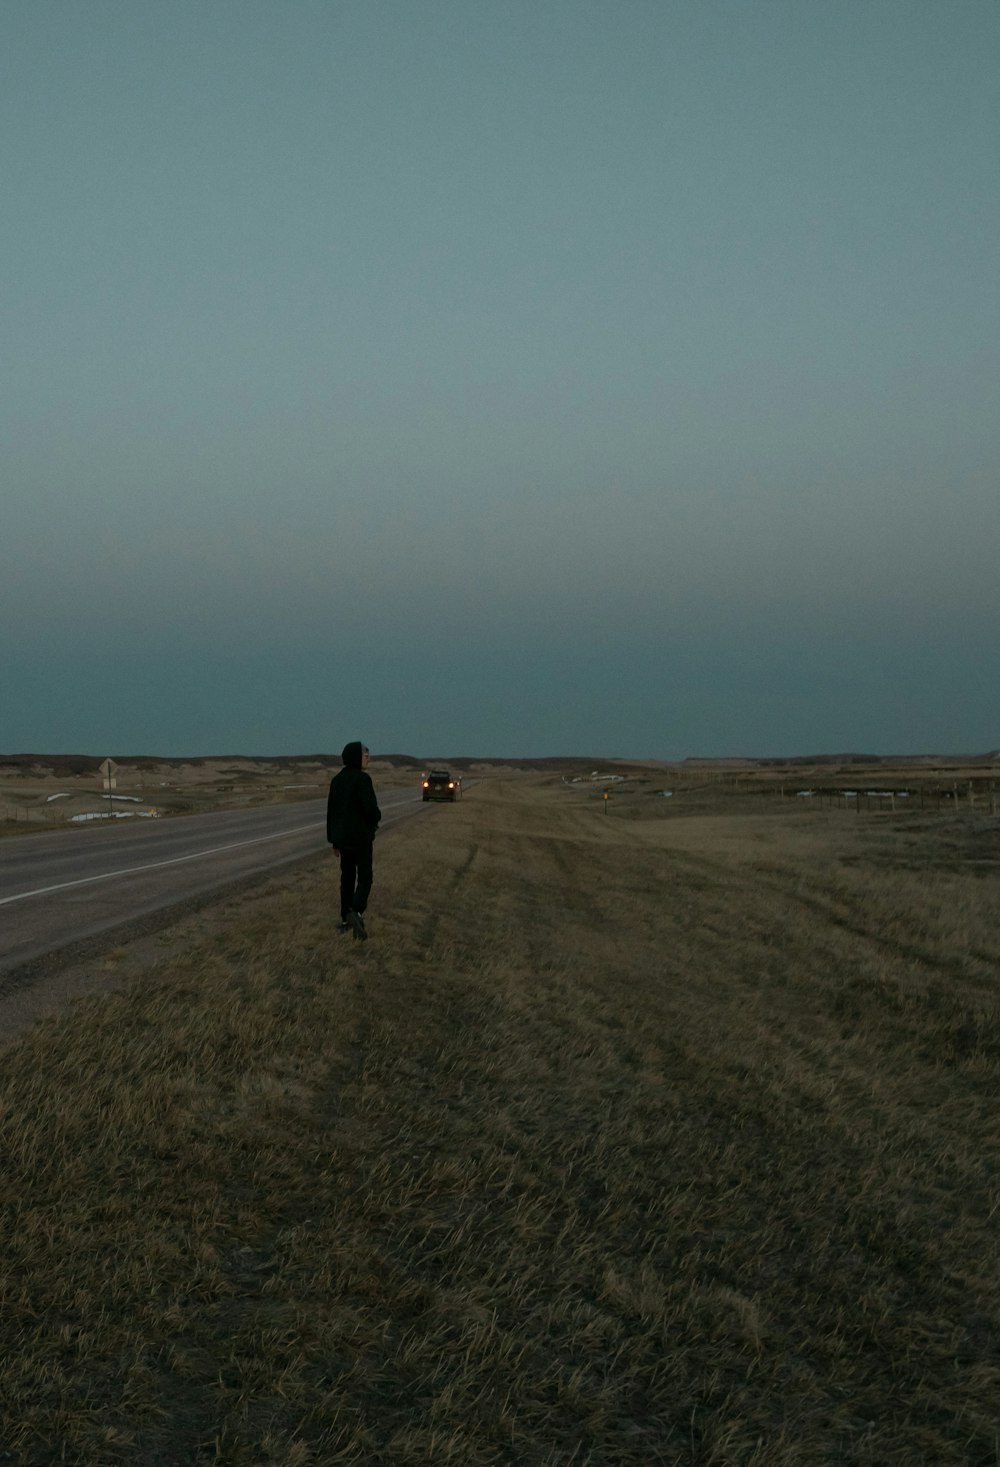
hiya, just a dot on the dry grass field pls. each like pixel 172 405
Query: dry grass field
pixel 50 791
pixel 661 1134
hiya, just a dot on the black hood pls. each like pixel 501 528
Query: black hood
pixel 351 755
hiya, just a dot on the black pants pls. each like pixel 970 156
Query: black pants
pixel 355 878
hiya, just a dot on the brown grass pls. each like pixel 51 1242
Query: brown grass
pixel 169 786
pixel 629 1138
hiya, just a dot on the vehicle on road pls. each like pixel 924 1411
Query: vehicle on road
pixel 440 784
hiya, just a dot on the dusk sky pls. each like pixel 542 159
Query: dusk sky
pixel 518 378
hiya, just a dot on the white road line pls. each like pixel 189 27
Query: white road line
pixel 174 861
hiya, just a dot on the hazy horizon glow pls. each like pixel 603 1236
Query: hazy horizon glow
pixel 518 380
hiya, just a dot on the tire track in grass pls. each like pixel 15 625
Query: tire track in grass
pixel 847 1020
pixel 767 935
pixel 855 911
pixel 498 1159
pixel 854 914
pixel 446 895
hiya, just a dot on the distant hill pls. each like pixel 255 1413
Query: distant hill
pixel 69 765
pixel 893 759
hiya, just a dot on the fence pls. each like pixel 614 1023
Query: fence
pixel 981 797
pixel 30 814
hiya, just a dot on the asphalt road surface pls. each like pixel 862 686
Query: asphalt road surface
pixel 60 889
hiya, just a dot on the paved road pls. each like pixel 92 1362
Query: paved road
pixel 58 889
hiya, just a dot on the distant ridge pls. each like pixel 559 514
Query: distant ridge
pixel 881 759
pixel 89 763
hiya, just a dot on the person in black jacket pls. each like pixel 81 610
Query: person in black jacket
pixel 352 818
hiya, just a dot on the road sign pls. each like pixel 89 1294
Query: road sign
pixel 109 767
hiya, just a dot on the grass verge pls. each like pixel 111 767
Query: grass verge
pixel 624 1140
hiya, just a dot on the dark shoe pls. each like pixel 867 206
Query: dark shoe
pixel 345 926
pixel 358 926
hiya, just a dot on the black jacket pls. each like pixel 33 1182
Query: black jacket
pixel 352 812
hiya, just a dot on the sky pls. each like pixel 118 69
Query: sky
pixel 519 378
